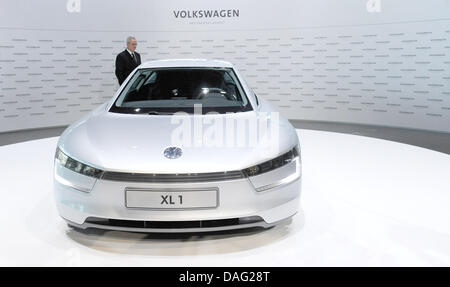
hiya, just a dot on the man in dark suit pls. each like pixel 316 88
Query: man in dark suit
pixel 127 60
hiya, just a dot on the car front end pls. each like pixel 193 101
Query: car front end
pixel 119 169
pixel 177 202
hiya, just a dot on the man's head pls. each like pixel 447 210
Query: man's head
pixel 131 43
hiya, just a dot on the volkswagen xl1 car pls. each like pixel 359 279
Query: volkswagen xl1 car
pixel 140 162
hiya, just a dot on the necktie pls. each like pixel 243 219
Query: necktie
pixel 134 57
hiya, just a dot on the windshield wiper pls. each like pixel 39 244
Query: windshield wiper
pixel 159 113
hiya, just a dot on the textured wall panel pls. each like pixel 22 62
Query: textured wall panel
pixel 392 74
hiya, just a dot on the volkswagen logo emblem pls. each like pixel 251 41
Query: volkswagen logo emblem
pixel 173 152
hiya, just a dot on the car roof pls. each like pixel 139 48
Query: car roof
pixel 186 63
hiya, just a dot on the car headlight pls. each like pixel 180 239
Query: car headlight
pixel 76 166
pixel 275 163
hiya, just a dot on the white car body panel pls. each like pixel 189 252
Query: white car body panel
pixel 134 144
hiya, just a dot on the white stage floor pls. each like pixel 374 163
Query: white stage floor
pixel 365 202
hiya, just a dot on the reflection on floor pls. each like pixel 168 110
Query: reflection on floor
pixel 365 202
pixel 428 139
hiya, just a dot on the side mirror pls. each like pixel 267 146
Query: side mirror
pixel 256 97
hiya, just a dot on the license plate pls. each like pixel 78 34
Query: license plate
pixel 171 199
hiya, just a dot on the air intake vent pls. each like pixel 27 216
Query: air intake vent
pixel 95 221
pixel 169 178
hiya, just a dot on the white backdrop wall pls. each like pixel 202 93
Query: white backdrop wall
pixel 383 63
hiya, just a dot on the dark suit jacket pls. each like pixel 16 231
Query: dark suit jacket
pixel 125 65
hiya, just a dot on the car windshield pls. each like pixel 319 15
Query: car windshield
pixel 170 90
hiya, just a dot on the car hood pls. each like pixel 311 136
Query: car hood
pixel 136 143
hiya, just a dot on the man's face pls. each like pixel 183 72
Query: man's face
pixel 132 45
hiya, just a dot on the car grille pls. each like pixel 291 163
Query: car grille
pixel 99 222
pixel 172 178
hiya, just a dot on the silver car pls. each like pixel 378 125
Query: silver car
pixel 184 145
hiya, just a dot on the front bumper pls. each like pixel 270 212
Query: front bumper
pixel 241 206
